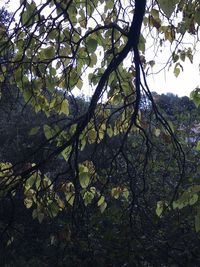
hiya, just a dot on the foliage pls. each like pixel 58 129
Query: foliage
pixel 111 171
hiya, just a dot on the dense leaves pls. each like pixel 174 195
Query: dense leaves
pixel 107 181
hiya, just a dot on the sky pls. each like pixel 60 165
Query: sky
pixel 165 81
pixel 187 80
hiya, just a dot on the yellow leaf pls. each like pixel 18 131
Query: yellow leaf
pixel 64 108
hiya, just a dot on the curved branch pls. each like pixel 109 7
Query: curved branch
pixel 132 43
pixel 133 40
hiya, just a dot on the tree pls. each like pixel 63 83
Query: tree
pixel 57 242
pixel 57 46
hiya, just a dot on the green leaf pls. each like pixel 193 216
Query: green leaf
pixel 125 193
pixel 109 131
pixel 46 182
pixel 34 130
pixel 141 45
pixel 197 16
pixel 49 52
pixel 88 197
pixel 66 152
pixel 27 94
pixel 182 56
pixel 53 209
pixel 92 135
pixel 189 197
pixel 115 192
pixel 38 181
pixel 83 168
pixel 195 96
pixel 168 6
pixel 53 34
pixel 93 190
pixel 29 14
pixel 155 13
pixel 25 18
pixel 193 199
pixel 70 196
pixel 64 108
pixel 93 59
pixel 30 181
pixel 38 214
pixel 40 217
pixel 159 208
pixel 84 179
pixel 10 241
pixel 91 45
pixel 103 206
pixel 176 71
pixel 109 4
pixel 198 146
pixel 48 132
pixel 79 84
pixel 101 201
pixel 60 203
pixel 157 132
pixel 28 203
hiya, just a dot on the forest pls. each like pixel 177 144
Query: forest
pixel 108 176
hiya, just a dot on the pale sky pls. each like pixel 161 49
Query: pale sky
pixel 165 81
pixel 187 80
